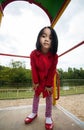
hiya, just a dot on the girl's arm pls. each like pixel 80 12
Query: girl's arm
pixel 34 69
pixel 52 71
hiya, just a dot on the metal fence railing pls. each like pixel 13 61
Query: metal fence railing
pixel 28 92
pixel 16 93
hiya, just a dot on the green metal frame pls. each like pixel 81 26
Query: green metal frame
pixel 53 8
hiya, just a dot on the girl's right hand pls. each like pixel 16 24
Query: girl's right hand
pixel 35 86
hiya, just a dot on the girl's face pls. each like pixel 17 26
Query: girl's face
pixel 45 40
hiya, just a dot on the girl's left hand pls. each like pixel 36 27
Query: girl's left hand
pixel 48 89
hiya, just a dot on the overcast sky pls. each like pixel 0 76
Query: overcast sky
pixel 22 22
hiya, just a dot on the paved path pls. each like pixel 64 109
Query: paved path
pixel 12 118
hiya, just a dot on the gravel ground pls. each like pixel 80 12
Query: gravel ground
pixel 73 103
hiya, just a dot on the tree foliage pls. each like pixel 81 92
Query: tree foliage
pixel 17 74
pixel 72 73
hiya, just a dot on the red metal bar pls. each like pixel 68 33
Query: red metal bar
pixel 14 55
pixel 1 9
pixel 81 43
pixel 72 48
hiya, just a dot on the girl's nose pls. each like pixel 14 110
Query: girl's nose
pixel 47 39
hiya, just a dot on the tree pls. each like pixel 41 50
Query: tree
pixel 19 76
pixel 4 75
pixel 17 64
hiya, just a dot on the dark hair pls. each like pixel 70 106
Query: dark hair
pixel 54 44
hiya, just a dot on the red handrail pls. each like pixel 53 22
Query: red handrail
pixel 81 43
pixel 14 55
pixel 72 48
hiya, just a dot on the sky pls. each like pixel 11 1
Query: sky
pixel 22 22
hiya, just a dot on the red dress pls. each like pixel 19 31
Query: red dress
pixel 43 69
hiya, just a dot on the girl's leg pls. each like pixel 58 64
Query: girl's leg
pixel 48 112
pixel 33 115
pixel 35 104
pixel 34 107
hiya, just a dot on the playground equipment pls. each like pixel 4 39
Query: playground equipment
pixel 54 10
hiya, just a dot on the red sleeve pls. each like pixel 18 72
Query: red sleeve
pixel 34 68
pixel 52 71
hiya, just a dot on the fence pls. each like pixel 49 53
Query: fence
pixel 16 93
pixel 28 93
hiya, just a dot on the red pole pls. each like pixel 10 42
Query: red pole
pixel 58 56
pixel 72 48
pixel 14 55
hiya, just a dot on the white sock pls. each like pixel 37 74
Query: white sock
pixel 48 120
pixel 32 115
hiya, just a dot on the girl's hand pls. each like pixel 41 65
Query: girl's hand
pixel 49 89
pixel 35 86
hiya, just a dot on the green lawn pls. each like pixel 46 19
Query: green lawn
pixel 28 93
pixel 15 93
pixel 72 91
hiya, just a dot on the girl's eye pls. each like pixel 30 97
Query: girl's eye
pixel 43 36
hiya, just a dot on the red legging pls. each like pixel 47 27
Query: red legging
pixel 48 111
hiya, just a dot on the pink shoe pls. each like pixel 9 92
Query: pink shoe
pixel 29 120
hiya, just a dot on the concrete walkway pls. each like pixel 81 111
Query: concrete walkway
pixel 12 118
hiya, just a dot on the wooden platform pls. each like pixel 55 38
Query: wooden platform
pixel 12 118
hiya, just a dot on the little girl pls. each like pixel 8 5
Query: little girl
pixel 43 64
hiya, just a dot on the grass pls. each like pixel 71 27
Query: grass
pixel 15 93
pixel 72 91
pixel 28 93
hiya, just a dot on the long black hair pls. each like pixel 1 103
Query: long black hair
pixel 54 42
